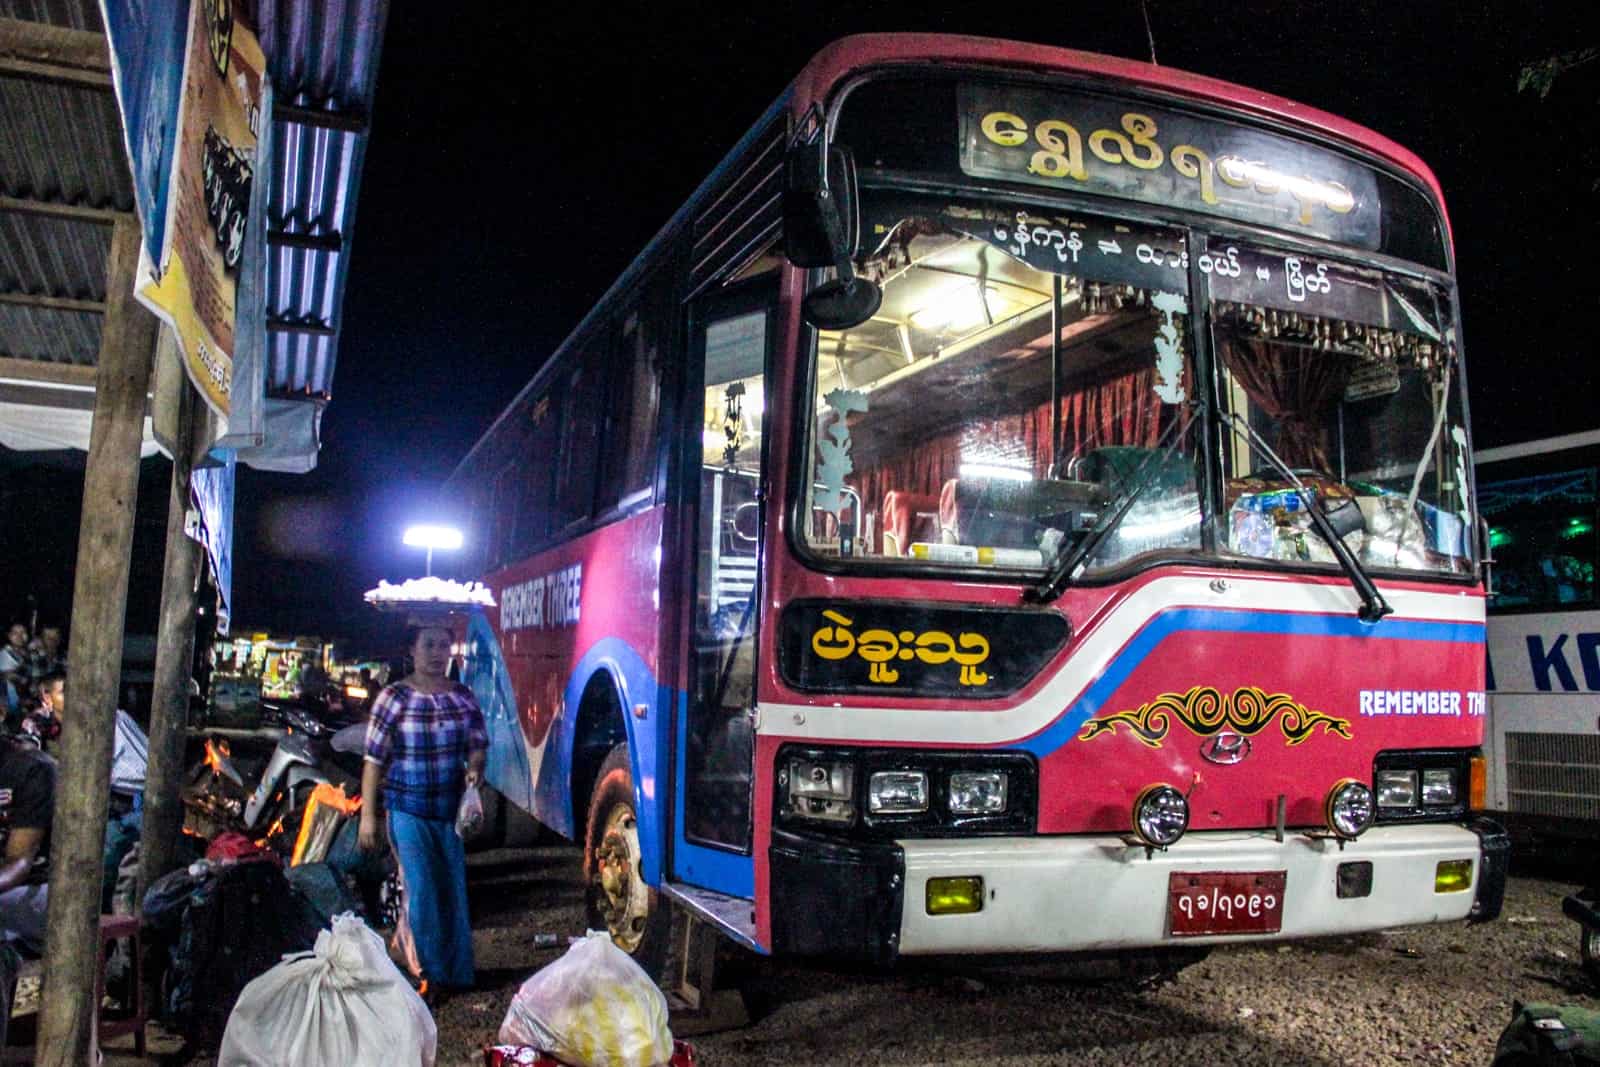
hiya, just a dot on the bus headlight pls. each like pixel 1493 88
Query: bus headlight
pixel 1438 786
pixel 897 792
pixel 1397 789
pixel 1349 808
pixel 1160 816
pixel 977 792
pixel 822 789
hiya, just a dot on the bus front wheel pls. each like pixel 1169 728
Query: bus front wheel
pixel 617 898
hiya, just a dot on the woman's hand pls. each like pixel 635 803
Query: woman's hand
pixel 370 836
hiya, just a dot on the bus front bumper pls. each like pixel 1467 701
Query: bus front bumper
pixel 1098 894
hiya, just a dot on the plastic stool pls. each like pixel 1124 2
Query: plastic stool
pixel 118 928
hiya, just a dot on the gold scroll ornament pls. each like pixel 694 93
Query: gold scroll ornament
pixel 1205 711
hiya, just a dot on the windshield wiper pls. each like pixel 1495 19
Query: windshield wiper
pixel 1066 565
pixel 1373 606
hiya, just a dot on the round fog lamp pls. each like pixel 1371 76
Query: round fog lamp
pixel 1160 816
pixel 1349 809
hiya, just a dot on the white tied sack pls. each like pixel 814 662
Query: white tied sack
pixel 345 1003
pixel 593 1007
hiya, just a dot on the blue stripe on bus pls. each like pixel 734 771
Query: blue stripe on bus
pixel 486 675
pixel 1164 625
pixel 635 684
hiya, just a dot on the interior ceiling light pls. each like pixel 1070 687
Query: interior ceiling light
pixel 960 307
pixel 996 470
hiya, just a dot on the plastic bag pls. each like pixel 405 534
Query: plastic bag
pixel 469 816
pixel 528 1056
pixel 593 1007
pixel 345 1004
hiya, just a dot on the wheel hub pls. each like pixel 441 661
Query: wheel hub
pixel 624 898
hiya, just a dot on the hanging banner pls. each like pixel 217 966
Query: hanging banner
pixel 210 521
pixel 192 145
pixel 148 42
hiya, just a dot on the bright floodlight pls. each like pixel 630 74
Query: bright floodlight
pixel 446 537
pixel 432 537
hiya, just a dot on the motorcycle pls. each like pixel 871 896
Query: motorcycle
pixel 302 757
pixel 1583 908
pixel 310 749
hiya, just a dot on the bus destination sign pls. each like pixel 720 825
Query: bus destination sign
pixel 1129 149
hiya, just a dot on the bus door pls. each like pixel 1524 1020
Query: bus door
pixel 714 736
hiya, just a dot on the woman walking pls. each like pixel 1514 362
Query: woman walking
pixel 425 744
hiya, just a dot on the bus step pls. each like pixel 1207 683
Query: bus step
pixel 733 916
pixel 697 1006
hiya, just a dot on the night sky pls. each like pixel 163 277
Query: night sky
pixel 518 162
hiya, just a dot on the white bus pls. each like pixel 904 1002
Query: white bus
pixel 1543 736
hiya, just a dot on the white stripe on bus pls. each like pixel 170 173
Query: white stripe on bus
pixel 1093 654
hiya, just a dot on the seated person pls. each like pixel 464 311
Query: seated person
pixel 27 804
pixel 129 759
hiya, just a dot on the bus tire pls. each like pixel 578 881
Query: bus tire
pixel 616 897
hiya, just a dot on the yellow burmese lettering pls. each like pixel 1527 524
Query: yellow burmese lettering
pixel 1004 128
pixel 1142 129
pixel 1113 147
pixel 834 642
pixel 935 647
pixel 877 646
pixel 1192 162
pixel 1058 158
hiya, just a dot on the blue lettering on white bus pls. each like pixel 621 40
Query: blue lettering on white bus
pixel 1547 660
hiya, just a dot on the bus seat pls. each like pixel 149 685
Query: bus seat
pixel 1113 465
pixel 908 517
pixel 1004 513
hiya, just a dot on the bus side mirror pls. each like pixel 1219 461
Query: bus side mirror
pixel 821 227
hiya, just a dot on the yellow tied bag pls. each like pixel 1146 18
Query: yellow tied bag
pixel 593 1007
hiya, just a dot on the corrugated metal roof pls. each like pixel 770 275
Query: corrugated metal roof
pixel 323 58
pixel 49 336
pixel 53 257
pixel 323 54
pixel 63 144
pixel 79 14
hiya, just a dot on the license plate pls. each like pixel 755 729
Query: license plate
pixel 1225 902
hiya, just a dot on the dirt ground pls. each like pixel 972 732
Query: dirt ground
pixel 1422 995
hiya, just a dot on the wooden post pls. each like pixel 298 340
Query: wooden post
pixel 99 600
pixel 169 703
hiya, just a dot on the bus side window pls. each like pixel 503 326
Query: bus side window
pixel 1543 539
pixel 502 516
pixel 536 475
pixel 628 462
pixel 477 559
pixel 580 438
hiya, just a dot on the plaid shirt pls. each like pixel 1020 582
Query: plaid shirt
pixel 423 740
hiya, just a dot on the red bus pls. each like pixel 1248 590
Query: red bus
pixel 1020 503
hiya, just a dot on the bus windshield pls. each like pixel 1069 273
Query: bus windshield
pixel 934 437
pixel 1350 377
pixel 949 430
